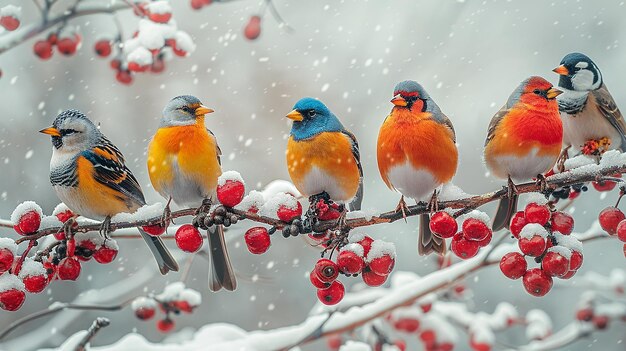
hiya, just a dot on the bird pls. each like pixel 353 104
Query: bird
pixel 524 140
pixel 588 111
pixel 89 175
pixel 417 153
pixel 323 157
pixel 184 165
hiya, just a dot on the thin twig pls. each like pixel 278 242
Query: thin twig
pixel 98 324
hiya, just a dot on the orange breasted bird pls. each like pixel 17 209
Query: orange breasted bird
pixel 417 153
pixel 524 140
pixel 587 108
pixel 90 176
pixel 322 156
pixel 184 165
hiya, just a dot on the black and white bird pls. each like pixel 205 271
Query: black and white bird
pixel 587 108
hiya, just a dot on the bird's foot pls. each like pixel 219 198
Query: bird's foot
pixel 511 188
pixel 205 207
pixel 166 217
pixel 563 156
pixel 69 226
pixel 105 227
pixel 433 204
pixel 543 184
pixel 402 207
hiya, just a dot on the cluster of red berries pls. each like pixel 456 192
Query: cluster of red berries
pixel 174 299
pixel 67 42
pixel 613 221
pixel 544 235
pixel 475 232
pixel 373 259
pixel 599 314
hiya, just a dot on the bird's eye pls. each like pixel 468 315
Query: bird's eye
pixel 537 91
pixel 65 132
pixel 311 113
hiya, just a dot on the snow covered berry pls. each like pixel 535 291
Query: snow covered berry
pixel 381 257
pixel 103 48
pixel 363 240
pixel 188 238
pixel 333 294
pixel 532 240
pixel 372 279
pixel 10 17
pixel 556 261
pixel 518 221
pixel 537 282
pixel 26 218
pixel 576 260
pixel 584 314
pixel 144 307
pixel 609 219
pixel 350 259
pixel 8 249
pixel 159 11
pixel 562 222
pixel 69 269
pixel 475 230
pixel 464 248
pixel 253 28
pixel 326 270
pixel 230 188
pixel 107 252
pixel 154 229
pixel 513 265
pixel 443 224
pixel 33 275
pixel 165 325
pixel 12 294
pixel 257 240
pixel 290 210
pixel 536 213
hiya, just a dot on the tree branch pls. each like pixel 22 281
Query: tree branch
pixel 98 324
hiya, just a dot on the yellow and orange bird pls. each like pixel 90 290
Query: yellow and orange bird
pixel 322 156
pixel 184 165
pixel 524 140
pixel 417 153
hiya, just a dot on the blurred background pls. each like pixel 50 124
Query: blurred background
pixel 469 55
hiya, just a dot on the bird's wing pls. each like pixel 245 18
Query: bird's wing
pixel 494 123
pixel 447 122
pixel 355 204
pixel 611 112
pixel 218 151
pixel 110 170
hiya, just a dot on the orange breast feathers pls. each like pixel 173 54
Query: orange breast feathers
pixel 524 129
pixel 416 138
pixel 100 199
pixel 330 152
pixel 189 148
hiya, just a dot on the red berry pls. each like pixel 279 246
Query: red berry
pixel 562 222
pixel 65 216
pixel 334 341
pixel 428 337
pixel 326 212
pixel 188 238
pixel 317 282
pixel 575 261
pixel 600 322
pixel 535 213
pixel 145 312
pixel 486 240
pixel 426 307
pixel 513 265
pixel 6 260
pixel 349 262
pixel 184 306
pixel 52 38
pixel 475 230
pixel 67 46
pixel 136 67
pixel 115 64
pixel 103 48
pixel 400 345
pixel 12 300
pixel 605 185
pixel 609 219
pixel 165 325
pixel 69 269
pixel 253 28
pixel 257 239
pixel 35 283
pixel 555 264
pixel 366 242
pixel 534 246
pixel 518 221
pixel 28 223
pixel 537 282
pixel 464 248
pixel 333 294
pixel 568 274
pixel 326 270
pixel 160 17
pixel 230 193
pixel 585 314
pixel 372 279
pixel 9 23
pixel 154 229
pixel 105 254
pixel 197 4
pixel 443 224
pixel 124 77
pixel 621 231
pixel 382 265
pixel 407 325
pixel 158 66
pixel 479 346
pixel 287 214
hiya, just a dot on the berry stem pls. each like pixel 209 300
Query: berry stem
pixel 18 265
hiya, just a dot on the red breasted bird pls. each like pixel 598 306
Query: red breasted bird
pixel 524 140
pixel 322 156
pixel 417 153
pixel 184 164
pixel 90 176
pixel 587 108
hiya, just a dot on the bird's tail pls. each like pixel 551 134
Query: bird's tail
pixel 221 273
pixel 161 254
pixel 426 241
pixel 506 209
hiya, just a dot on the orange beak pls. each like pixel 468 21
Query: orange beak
pixel 562 70
pixel 203 110
pixel 51 131
pixel 398 100
pixel 295 115
pixel 553 92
